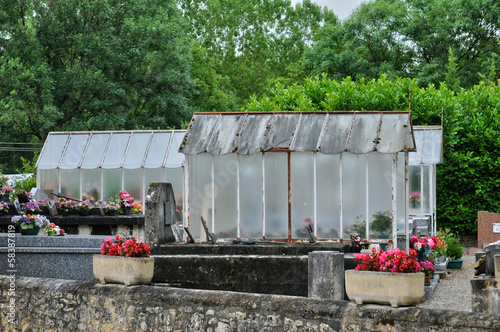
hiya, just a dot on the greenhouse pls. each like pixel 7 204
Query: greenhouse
pixel 98 165
pixel 271 175
pixel 422 173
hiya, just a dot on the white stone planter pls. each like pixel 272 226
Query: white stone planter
pixel 123 270
pixel 396 289
pixel 441 263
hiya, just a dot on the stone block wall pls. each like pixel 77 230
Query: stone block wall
pixel 485 221
pixel 62 305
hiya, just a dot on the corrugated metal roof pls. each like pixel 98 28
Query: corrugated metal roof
pixel 429 143
pixel 325 132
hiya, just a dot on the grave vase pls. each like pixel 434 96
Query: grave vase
pixel 30 231
pixel 123 270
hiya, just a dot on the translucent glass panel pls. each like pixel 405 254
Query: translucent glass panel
pixel 328 202
pixel 52 151
pixel 225 179
pixel 354 194
pixel 112 182
pixel 401 193
pixel 200 194
pixel 91 184
pixel 70 183
pixel 420 189
pixel 132 182
pixel 380 195
pixel 302 177
pixel 276 195
pixel 157 150
pixel 175 158
pixel 47 180
pixel 176 177
pixel 116 150
pixel 251 196
pixel 136 150
pixel 95 151
pixel 74 151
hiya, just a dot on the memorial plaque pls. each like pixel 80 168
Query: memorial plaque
pixel 496 227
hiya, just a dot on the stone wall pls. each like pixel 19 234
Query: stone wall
pixel 62 305
pixel 485 221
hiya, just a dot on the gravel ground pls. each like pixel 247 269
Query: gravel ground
pixel 454 292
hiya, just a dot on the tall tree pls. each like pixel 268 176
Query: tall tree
pixel 91 65
pixel 252 43
pixel 410 38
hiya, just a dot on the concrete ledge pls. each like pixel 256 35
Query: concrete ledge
pixel 51 304
pixel 429 290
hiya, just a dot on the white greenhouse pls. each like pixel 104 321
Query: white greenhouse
pixel 422 173
pixel 270 175
pixel 100 164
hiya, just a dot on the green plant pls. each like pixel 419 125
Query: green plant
pixel 382 222
pixel 453 248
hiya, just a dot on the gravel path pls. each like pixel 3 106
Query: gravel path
pixel 454 292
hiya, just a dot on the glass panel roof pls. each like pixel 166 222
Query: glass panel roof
pixel 157 150
pixel 175 158
pixel 52 151
pixel 116 150
pixel 326 132
pixel 429 144
pixel 74 151
pixel 109 150
pixel 95 150
pixel 137 149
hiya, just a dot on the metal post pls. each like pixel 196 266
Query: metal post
pixel 315 194
pixel 213 193
pixel 238 206
pixel 394 202
pixel 263 196
pixel 367 198
pixel 407 205
pixel 341 197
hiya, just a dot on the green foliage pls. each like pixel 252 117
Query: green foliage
pixel 29 182
pixel 453 248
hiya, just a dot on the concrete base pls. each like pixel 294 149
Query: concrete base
pixel 429 290
pixel 326 275
pixel 485 295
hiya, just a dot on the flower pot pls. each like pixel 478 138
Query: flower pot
pixel 123 270
pixel 113 212
pixel 31 231
pixel 455 264
pixel 441 263
pixel 396 289
pixel 427 280
pixel 51 233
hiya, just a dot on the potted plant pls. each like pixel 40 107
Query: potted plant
pixel 382 223
pixel 438 254
pixel 4 208
pixel 391 276
pixel 454 251
pixel 53 230
pixel 422 247
pixel 127 262
pixel 30 224
pixel 112 208
pixel 65 206
pixel 5 188
pixel 31 208
pixel 126 202
pixel 357 244
pixel 428 270
pixel 83 207
pixel 24 196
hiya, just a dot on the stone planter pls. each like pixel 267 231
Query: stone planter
pixel 30 231
pixel 441 264
pixel 396 289
pixel 123 270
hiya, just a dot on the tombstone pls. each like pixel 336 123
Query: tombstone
pixel 38 194
pixel 326 275
pixel 421 226
pixel 160 224
pixel 18 207
pixel 491 251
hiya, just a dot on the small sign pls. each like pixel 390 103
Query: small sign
pixel 496 228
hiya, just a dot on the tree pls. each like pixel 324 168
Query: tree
pixel 252 44
pixel 87 65
pixel 410 38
